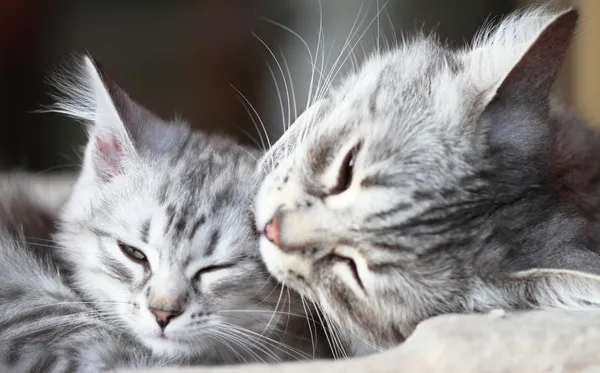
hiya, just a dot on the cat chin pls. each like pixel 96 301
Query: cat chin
pixel 171 347
pixel 289 269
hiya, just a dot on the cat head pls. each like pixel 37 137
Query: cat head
pixel 416 186
pixel 158 230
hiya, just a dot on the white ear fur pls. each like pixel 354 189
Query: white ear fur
pixel 558 288
pixel 496 50
pixel 85 96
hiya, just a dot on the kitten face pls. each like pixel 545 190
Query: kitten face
pixel 159 233
pixel 197 244
pixel 382 212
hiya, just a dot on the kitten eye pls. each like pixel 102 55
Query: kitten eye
pixel 344 178
pixel 134 254
pixel 212 268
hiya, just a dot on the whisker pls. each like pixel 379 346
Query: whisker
pixel 310 325
pixel 277 89
pixel 226 332
pixel 276 308
pixel 285 85
pixel 219 337
pixel 289 77
pixel 276 344
pixel 326 331
pixel 255 113
pixel 361 36
pixel 245 104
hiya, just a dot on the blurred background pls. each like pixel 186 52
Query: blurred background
pixel 221 63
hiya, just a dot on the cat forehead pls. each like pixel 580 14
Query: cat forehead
pixel 421 83
pixel 202 177
pixel 413 95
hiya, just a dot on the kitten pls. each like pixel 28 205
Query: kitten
pixel 434 181
pixel 155 260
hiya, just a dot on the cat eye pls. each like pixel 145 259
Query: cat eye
pixel 344 179
pixel 212 268
pixel 351 265
pixel 134 254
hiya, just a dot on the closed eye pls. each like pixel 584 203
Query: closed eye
pixel 345 173
pixel 351 265
pixel 212 268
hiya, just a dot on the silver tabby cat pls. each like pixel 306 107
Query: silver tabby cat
pixel 155 260
pixel 434 180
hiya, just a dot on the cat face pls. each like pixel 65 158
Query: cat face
pixel 351 201
pixel 382 211
pixel 159 232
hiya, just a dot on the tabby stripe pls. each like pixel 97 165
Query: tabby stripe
pixel 117 270
pixel 212 245
pixel 196 226
pixel 41 313
pixel 400 207
pixel 145 230
pixel 171 216
pixel 45 364
pixel 44 336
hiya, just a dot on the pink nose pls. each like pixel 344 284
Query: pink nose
pixel 163 317
pixel 272 231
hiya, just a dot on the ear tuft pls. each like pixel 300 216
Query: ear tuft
pixel 85 95
pixel 107 154
pixel 110 143
pixel 535 72
pixel 522 54
pixel 120 131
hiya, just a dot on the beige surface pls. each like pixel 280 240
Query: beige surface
pixel 533 342
pixel 585 71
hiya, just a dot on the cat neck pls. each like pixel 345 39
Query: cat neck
pixel 575 169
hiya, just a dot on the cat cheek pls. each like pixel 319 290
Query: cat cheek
pixel 286 267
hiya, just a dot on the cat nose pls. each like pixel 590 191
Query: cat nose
pixel 272 231
pixel 163 317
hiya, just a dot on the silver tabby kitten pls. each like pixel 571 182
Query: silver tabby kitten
pixel 155 259
pixel 435 180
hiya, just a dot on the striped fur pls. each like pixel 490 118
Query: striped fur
pixel 435 180
pixel 81 303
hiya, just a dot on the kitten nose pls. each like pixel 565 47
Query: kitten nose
pixel 272 230
pixel 163 317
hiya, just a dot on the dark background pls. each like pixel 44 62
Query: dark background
pixel 182 57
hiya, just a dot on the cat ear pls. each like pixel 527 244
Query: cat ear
pixel 110 144
pixel 117 126
pixel 520 58
pixel 513 68
pixel 534 74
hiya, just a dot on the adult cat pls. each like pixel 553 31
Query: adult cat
pixel 435 180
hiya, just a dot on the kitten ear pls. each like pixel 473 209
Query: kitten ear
pixel 520 58
pixel 110 144
pixel 117 126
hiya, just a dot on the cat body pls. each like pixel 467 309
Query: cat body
pixel 30 203
pixel 154 258
pixel 435 181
